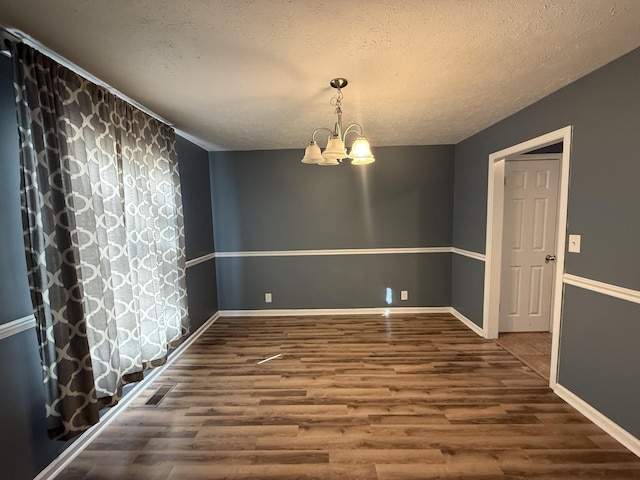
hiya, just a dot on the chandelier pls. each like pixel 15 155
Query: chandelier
pixel 335 151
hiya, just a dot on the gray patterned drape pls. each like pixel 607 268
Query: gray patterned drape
pixel 102 217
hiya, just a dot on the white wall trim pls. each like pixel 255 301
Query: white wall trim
pixel 470 254
pixel 197 261
pixel 83 441
pixel 17 326
pixel 292 312
pixel 604 422
pixel 603 288
pixel 478 330
pixel 339 251
pixel 336 251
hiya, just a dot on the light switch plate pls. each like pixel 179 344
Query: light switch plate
pixel 574 243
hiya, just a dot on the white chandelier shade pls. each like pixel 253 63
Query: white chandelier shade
pixel 312 154
pixel 336 151
pixel 361 152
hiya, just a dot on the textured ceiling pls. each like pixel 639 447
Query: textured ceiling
pixel 253 75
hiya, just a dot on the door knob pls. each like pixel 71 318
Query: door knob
pixel 549 258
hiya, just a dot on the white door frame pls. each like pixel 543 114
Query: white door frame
pixel 495 214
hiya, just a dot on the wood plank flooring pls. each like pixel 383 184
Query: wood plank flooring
pixel 359 397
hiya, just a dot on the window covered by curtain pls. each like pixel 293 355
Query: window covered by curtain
pixel 104 238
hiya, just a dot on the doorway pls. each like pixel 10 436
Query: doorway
pixel 495 236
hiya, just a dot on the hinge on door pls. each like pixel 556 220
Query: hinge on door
pixel 505 180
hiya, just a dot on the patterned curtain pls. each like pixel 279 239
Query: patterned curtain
pixel 102 217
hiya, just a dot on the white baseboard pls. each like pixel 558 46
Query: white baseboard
pixel 54 468
pixel 604 422
pixel 476 329
pixel 353 311
pixel 291 312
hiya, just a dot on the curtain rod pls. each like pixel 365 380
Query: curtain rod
pixel 14 35
pixel 6 39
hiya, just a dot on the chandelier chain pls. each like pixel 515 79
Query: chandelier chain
pixel 337 100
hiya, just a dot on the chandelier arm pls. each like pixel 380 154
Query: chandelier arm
pixel 313 137
pixel 353 128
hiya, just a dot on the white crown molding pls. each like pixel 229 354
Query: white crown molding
pixel 17 326
pixel 604 422
pixel 603 288
pixel 207 146
pixel 470 254
pixel 33 43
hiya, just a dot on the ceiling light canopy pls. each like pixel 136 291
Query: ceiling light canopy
pixel 335 151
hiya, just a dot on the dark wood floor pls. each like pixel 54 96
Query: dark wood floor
pixel 366 397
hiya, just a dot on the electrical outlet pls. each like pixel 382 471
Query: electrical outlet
pixel 267 298
pixel 404 295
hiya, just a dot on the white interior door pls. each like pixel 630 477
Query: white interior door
pixel 529 238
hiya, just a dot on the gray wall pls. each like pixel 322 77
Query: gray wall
pixel 202 289
pixel 25 448
pixel 335 281
pixel 605 171
pixel 467 292
pixel 268 200
pixel 599 354
pixel 15 301
pixel 603 207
